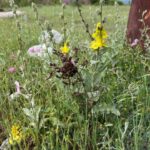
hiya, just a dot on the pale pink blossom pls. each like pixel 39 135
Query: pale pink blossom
pixel 134 43
pixel 39 51
pixel 36 50
pixel 12 70
pixel 17 87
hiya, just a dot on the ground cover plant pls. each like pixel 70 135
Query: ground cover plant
pixel 91 92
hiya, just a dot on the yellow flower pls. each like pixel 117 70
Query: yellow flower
pixel 65 48
pixel 100 32
pixel 98 43
pixel 99 36
pixel 15 135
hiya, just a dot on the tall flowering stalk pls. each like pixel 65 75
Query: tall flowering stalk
pixel 83 20
pixel 99 36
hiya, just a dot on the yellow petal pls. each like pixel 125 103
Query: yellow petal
pixel 98 25
pixel 65 48
pixel 10 141
pixel 94 45
pixel 104 34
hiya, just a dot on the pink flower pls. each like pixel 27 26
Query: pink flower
pixel 39 51
pixel 36 50
pixel 12 70
pixel 17 87
pixel 134 43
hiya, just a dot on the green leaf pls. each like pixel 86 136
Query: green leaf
pixel 107 109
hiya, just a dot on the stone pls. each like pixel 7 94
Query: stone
pixel 9 14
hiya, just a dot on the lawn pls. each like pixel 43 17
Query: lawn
pixel 82 100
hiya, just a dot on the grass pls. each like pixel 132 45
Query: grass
pixel 52 14
pixel 109 109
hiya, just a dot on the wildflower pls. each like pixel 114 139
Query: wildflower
pixel 100 32
pixel 15 135
pixel 17 87
pixel 134 43
pixel 56 36
pixel 39 51
pixel 99 36
pixel 97 43
pixel 35 51
pixel 69 68
pixel 65 48
pixel 12 70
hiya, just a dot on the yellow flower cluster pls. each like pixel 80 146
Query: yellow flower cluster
pixel 16 135
pixel 99 40
pixel 65 48
pixel 99 36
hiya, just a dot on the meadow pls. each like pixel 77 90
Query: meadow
pixel 101 103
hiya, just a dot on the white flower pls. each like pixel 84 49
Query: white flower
pixel 45 37
pixel 57 37
pixel 43 50
pixel 35 50
pixel 39 51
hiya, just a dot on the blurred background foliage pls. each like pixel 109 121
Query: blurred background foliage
pixel 5 3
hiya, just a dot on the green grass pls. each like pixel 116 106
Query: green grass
pixel 31 31
pixel 108 109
